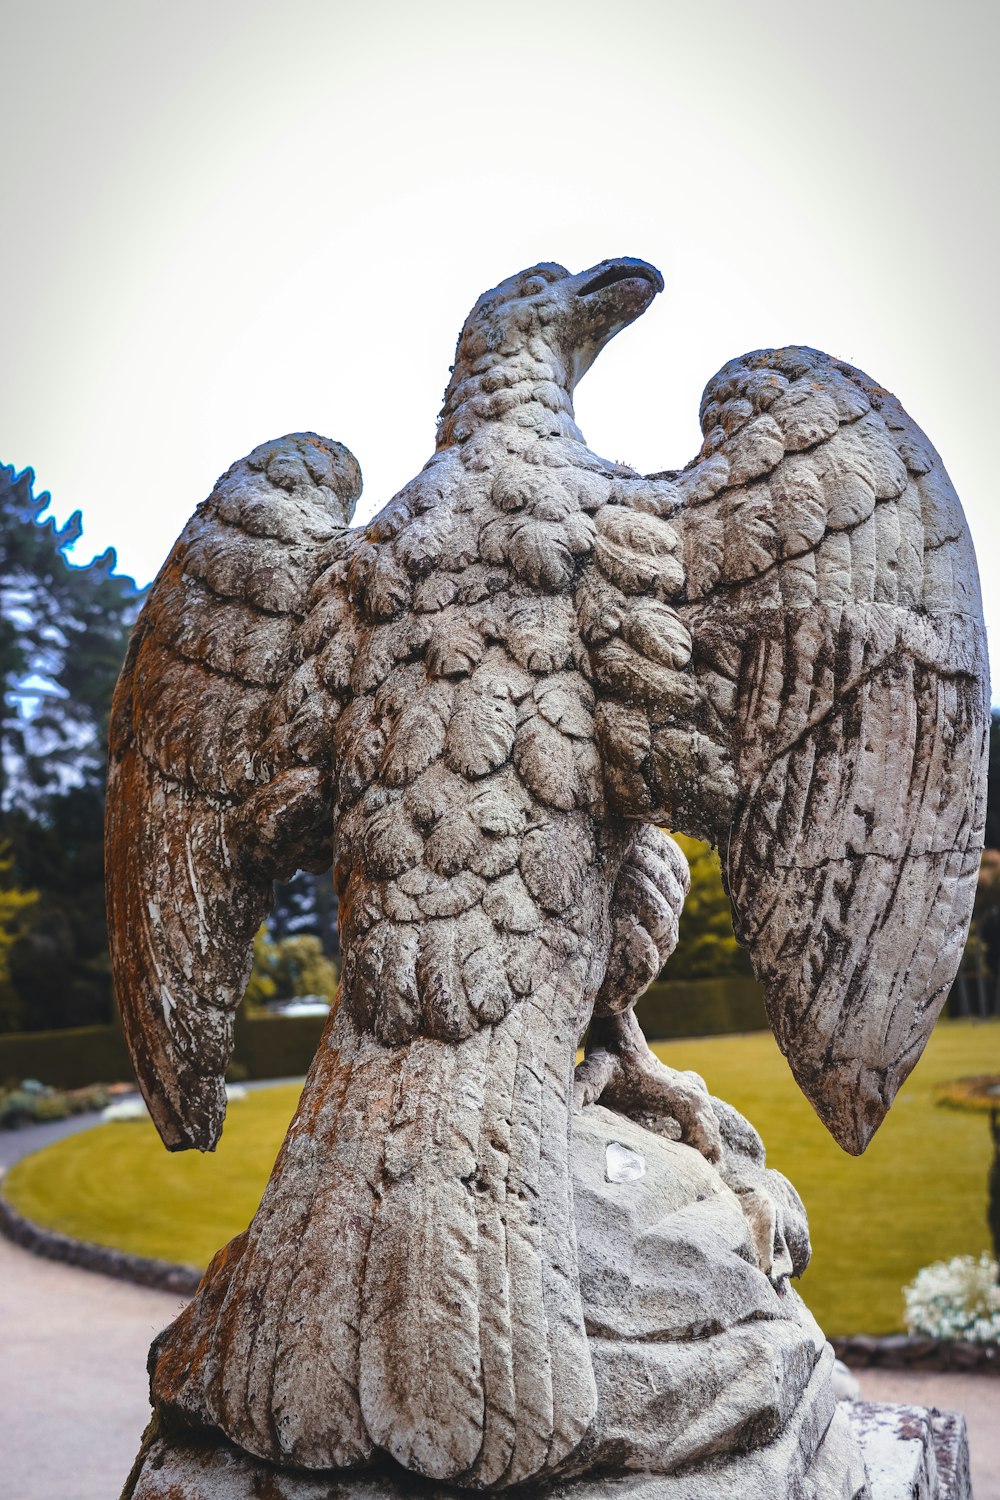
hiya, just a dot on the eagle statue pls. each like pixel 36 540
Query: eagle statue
pixel 481 707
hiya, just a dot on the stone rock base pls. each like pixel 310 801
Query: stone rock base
pixel 910 1453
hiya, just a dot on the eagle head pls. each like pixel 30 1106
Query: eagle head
pixel 545 324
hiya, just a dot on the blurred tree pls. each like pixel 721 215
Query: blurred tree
pixel 60 966
pixel 262 986
pixel 993 1188
pixel 286 967
pixel 707 947
pixel 976 991
pixel 306 904
pixel 993 785
pixel 63 634
pixel 14 903
pixel 302 968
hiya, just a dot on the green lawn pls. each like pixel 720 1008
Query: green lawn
pixel 918 1194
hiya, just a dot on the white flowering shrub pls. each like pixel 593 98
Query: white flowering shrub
pixel 956 1299
pixel 130 1108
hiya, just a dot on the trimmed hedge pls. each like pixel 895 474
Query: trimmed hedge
pixel 66 1059
pixel 283 1046
pixel 266 1047
pixel 276 1046
pixel 702 1007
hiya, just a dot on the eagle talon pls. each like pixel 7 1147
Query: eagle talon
pixel 621 1072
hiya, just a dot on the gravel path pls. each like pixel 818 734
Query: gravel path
pixel 17 1143
pixel 73 1394
pixel 73 1398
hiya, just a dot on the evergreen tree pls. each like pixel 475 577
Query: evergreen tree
pixel 14 904
pixel 976 990
pixel 993 786
pixel 60 966
pixel 63 634
pixel 306 904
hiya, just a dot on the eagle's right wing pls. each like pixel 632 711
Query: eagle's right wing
pixel 789 638
pixel 219 770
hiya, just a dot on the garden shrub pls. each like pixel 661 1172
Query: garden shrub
pixel 980 1092
pixel 956 1299
pixel 32 1103
pixel 16 1108
pixel 52 1107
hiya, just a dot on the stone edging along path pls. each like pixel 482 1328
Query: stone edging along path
pixel 859 1351
pixel 162 1275
pixel 900 1351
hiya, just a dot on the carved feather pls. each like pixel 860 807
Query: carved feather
pixel 214 787
pixel 829 577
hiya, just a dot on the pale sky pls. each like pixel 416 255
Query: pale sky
pixel 225 221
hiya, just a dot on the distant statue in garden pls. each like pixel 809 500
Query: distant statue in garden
pixel 472 1263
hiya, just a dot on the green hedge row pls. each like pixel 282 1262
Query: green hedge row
pixel 65 1059
pixel 702 1007
pixel 275 1046
pixel 265 1047
pixel 283 1046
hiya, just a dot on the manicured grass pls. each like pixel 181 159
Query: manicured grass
pixel 117 1185
pixel 918 1194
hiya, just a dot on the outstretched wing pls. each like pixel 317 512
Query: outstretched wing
pixel 824 713
pixel 219 773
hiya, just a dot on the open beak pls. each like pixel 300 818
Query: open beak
pixel 603 301
pixel 616 273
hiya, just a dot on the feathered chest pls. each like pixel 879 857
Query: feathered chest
pixel 469 783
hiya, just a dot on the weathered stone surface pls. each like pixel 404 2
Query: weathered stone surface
pixel 477 705
pixel 217 1471
pixel 912 1452
pixel 700 1354
pixel 909 1453
pixel 700 1357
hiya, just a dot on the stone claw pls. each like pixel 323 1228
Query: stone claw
pixel 670 1092
pixel 619 1070
pixel 766 1219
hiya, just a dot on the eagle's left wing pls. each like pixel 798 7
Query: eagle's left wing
pixel 789 642
pixel 219 768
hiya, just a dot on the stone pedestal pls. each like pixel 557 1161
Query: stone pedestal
pixel 910 1453
pixel 913 1452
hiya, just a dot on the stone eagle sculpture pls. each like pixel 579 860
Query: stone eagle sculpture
pixel 479 706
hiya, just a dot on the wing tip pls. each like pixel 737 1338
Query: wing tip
pixel 193 1140
pixel 850 1099
pixel 194 1122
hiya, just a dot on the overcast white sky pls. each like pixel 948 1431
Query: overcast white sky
pixel 224 221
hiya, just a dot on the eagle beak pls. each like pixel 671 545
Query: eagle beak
pixel 616 272
pixel 603 301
